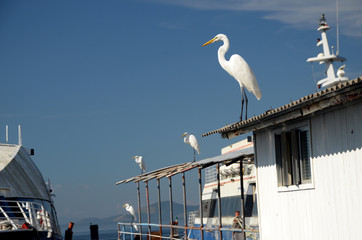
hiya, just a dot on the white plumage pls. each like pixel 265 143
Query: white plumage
pixel 238 68
pixel 191 139
pixel 140 162
pixel 130 209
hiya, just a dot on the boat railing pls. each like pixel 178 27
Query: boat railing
pixel 126 231
pixel 24 215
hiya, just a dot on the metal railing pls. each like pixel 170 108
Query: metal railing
pixel 126 231
pixel 23 215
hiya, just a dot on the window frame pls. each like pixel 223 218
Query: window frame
pixel 289 129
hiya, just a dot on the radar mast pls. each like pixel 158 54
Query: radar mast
pixel 328 58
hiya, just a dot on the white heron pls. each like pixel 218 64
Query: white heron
pixel 238 68
pixel 341 72
pixel 191 139
pixel 140 162
pixel 130 209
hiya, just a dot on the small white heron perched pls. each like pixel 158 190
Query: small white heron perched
pixel 238 68
pixel 191 139
pixel 140 162
pixel 130 209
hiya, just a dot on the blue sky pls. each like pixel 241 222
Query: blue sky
pixel 93 83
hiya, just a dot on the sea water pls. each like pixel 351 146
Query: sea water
pixel 109 234
pixel 103 235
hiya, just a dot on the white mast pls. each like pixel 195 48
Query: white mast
pixel 19 132
pixel 7 134
pixel 327 58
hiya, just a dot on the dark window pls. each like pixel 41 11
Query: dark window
pixel 208 207
pixel 251 209
pixel 293 157
pixel 231 204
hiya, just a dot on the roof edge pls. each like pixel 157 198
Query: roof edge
pixel 301 107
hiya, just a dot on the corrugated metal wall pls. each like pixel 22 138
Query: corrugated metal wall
pixel 332 208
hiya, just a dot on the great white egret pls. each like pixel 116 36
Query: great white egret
pixel 341 72
pixel 238 68
pixel 191 139
pixel 130 209
pixel 140 162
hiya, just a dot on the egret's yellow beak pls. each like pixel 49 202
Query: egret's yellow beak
pixel 124 205
pixel 185 133
pixel 211 41
pixel 133 157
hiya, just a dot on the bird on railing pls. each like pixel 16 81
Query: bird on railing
pixel 130 209
pixel 191 139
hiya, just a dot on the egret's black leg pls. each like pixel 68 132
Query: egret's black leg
pixel 246 105
pixel 242 104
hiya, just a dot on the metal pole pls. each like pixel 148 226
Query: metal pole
pixel 148 209
pixel 118 232
pixel 139 205
pixel 94 232
pixel 200 202
pixel 159 206
pixel 242 212
pixel 19 132
pixel 219 197
pixel 171 208
pixel 185 205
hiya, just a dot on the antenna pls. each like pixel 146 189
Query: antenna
pixel 327 58
pixel 337 52
pixel 19 132
pixel 7 134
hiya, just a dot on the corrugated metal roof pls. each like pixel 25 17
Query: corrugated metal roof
pixel 183 167
pixel 19 176
pixel 250 123
pixel 159 173
pixel 231 156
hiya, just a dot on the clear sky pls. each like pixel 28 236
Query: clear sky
pixel 93 83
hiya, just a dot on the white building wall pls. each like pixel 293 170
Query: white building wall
pixel 331 207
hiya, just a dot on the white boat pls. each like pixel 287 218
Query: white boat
pixel 230 195
pixel 26 206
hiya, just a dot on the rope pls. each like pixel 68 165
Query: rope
pixel 337 53
pixel 315 81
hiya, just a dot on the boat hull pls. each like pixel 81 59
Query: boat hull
pixel 26 234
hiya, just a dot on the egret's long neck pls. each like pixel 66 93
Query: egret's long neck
pixel 187 139
pixel 221 54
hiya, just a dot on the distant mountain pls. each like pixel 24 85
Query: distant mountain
pixel 110 222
